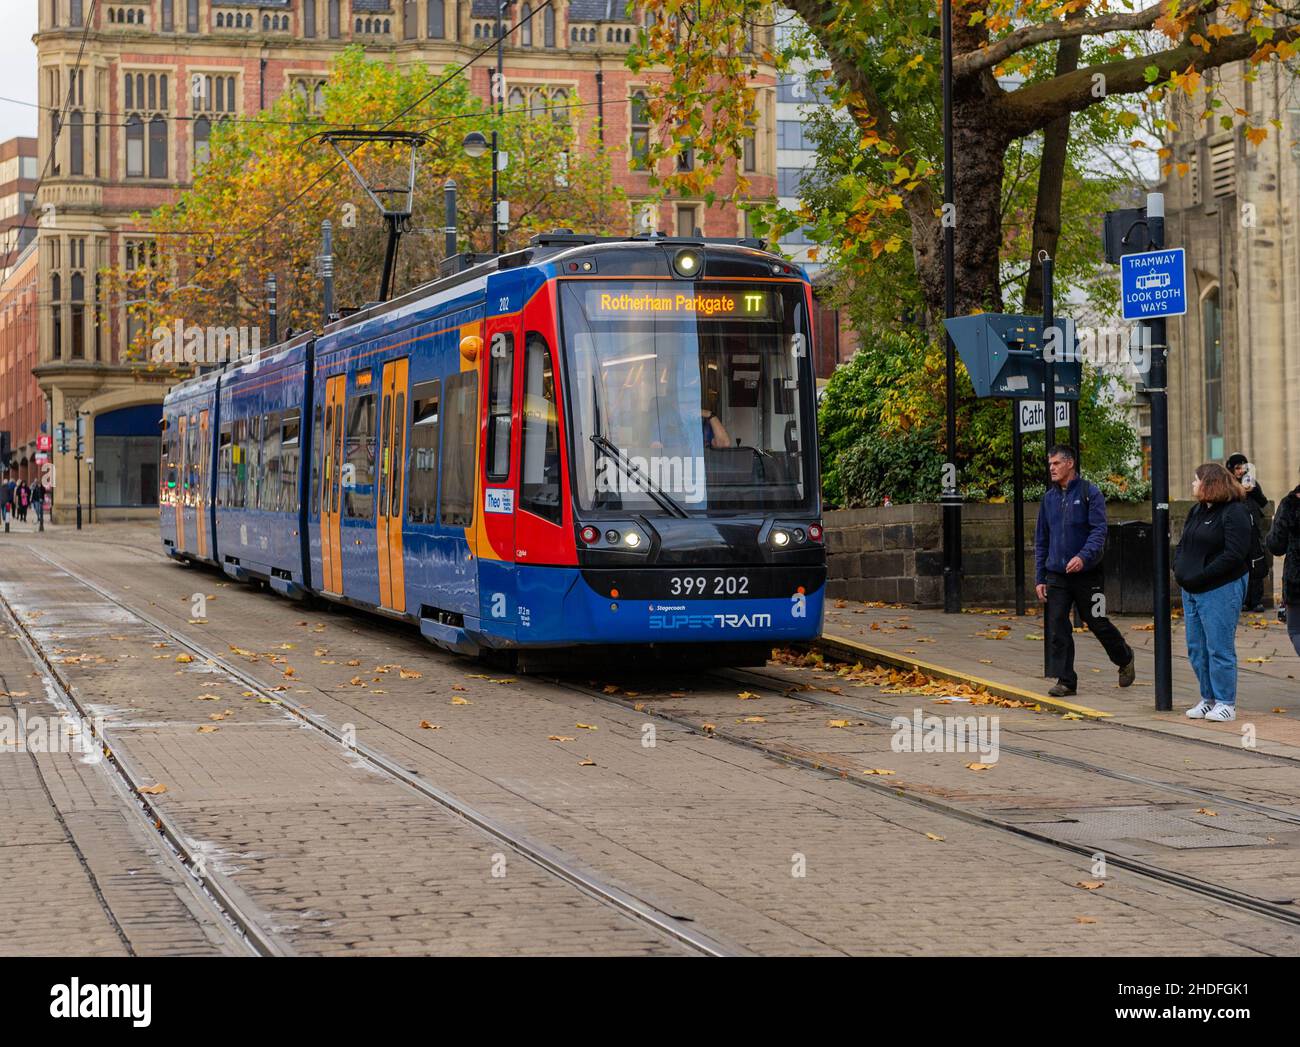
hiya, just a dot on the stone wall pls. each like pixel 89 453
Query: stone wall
pixel 896 554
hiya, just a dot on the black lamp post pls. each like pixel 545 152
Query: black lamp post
pixel 950 498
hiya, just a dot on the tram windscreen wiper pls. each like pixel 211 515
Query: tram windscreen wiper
pixel 664 501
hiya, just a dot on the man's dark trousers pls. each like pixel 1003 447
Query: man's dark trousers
pixel 1080 590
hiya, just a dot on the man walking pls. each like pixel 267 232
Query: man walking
pixel 37 497
pixel 1068 545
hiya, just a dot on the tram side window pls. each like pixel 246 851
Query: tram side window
pixel 268 496
pixel 223 466
pixel 422 482
pixel 290 429
pixel 500 384
pixel 316 452
pixel 169 460
pixel 359 453
pixel 239 459
pixel 539 486
pixel 192 459
pixel 458 445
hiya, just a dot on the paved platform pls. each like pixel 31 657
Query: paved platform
pixel 997 646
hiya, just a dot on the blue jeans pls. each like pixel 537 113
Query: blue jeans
pixel 1293 625
pixel 1210 619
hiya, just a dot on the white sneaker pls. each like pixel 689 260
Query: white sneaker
pixel 1197 712
pixel 1222 712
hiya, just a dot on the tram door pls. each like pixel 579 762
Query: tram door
pixel 201 485
pixel 183 478
pixel 331 537
pixel 392 473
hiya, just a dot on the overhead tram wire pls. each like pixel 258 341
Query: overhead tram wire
pixel 423 98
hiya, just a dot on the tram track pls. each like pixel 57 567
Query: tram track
pixel 626 903
pixel 1281 912
pixel 1278 911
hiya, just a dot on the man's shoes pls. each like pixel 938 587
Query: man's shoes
pixel 1128 673
pixel 1060 690
pixel 1198 711
pixel 1222 712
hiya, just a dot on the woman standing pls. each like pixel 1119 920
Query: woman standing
pixel 1211 565
pixel 1284 540
pixel 24 493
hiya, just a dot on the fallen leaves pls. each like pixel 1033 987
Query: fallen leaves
pixel 934 836
pixel 208 698
pixel 458 700
pixel 587 726
pixel 586 763
pixel 1085 919
pixel 877 770
pixel 154 790
pixel 425 725
pixel 559 738
pixel 184 659
pixel 753 719
pixel 979 767
pixel 208 728
pixel 1091 885
pixel 747 696
pixel 1207 811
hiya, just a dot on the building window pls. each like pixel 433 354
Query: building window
pixel 548 26
pixel 168 16
pixel 640 143
pixel 1212 336
pixel 78 315
pixel 202 141
pixel 191 16
pixel 410 19
pixel 750 146
pixel 437 25
pixel 309 19
pixel 76 144
pixel 526 26
pixel 334 19
pixel 75 13
pixel 56 314
pixel 685 220
pixel 686 159
pixel 134 147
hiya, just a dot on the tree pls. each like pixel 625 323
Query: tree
pixel 885 61
pixel 256 206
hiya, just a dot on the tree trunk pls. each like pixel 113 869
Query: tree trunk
pixel 1051 181
pixel 979 148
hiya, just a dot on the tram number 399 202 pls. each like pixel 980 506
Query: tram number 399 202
pixel 702 585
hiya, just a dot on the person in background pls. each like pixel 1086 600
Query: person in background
pixel 1284 540
pixel 1068 544
pixel 1256 502
pixel 22 495
pixel 1210 565
pixel 7 495
pixel 37 498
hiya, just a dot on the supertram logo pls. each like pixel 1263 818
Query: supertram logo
pixel 710 621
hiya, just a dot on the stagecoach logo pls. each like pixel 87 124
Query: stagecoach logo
pixel 185 343
pixel 710 621
pixel 674 475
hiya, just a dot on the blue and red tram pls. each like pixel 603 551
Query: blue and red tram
pixel 590 442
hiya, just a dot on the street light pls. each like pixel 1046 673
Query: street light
pixel 475 145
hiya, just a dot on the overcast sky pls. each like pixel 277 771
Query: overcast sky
pixel 17 68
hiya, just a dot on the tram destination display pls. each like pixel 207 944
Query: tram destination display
pixel 635 301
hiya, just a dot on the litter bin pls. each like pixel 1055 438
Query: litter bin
pixel 1126 567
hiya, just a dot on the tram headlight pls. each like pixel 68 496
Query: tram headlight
pixel 780 539
pixel 688 262
pixel 631 539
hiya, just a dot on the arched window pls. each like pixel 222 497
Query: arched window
pixel 134 145
pixel 560 104
pixel 388 25
pixel 548 26
pixel 76 143
pixel 573 34
pixel 158 147
pixel 112 13
pixel 536 103
pixel 437 19
pixel 526 26
pixel 56 314
pixel 334 19
pixel 266 23
pixel 515 99
pixel 221 20
pixel 640 140
pixel 478 31
pixel 78 316
pixel 202 140
pixel 192 16
pixel 1212 343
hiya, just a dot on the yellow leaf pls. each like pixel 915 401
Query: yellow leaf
pixel 1256 135
pixel 184 658
pixel 708 728
pixel 877 770
pixel 979 766
pixel 1090 885
pixel 427 726
pixel 753 719
pixel 1206 810
pixel 587 726
pixel 1084 919
pixel 208 698
pixel 154 790
pixel 353 661
pixel 586 763
pixel 934 836
pixel 559 738
pixel 746 696
pixel 208 728
pixel 458 700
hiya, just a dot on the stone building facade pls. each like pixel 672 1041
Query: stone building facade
pixel 126 130
pixel 1234 374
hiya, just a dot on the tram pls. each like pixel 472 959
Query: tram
pixel 591 444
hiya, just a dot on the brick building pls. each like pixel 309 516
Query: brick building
pixel 18 175
pixel 22 404
pixel 133 129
